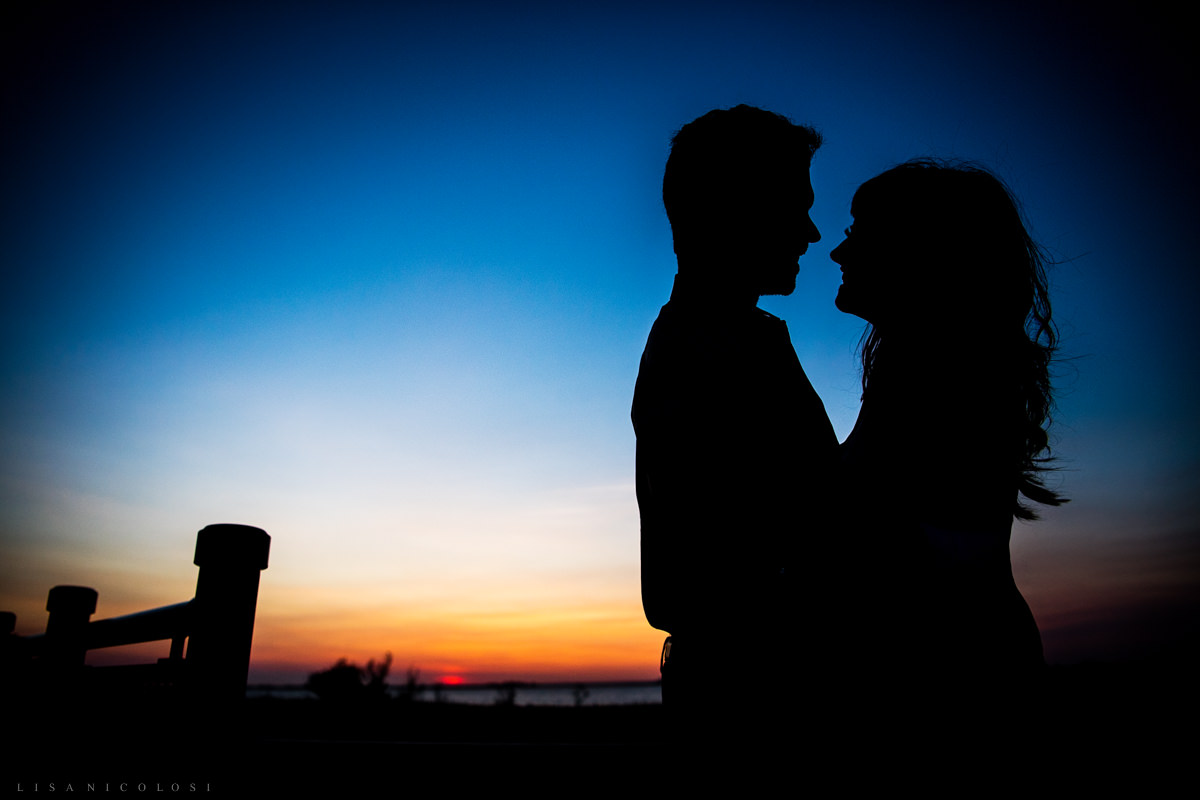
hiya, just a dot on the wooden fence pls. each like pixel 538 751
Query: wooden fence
pixel 217 626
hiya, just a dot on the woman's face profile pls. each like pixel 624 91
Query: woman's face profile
pixel 892 261
pixel 864 260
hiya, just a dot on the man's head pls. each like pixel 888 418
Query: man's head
pixel 737 193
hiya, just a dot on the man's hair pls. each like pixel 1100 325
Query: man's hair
pixel 719 160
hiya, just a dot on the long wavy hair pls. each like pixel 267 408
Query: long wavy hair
pixel 985 278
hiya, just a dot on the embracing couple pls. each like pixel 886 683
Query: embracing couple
pixel 852 575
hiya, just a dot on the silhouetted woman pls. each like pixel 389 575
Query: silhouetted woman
pixel 951 433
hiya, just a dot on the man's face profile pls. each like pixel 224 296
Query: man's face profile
pixel 779 231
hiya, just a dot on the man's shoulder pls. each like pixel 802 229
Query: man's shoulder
pixel 679 332
pixel 682 316
pixel 770 325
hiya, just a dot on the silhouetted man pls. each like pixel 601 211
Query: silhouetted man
pixel 732 441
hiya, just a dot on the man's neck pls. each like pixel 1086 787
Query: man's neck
pixel 712 292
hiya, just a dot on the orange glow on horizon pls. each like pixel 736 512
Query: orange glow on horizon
pixel 496 633
pixel 466 649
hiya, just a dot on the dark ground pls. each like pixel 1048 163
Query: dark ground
pixel 1097 728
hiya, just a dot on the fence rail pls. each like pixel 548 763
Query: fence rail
pixel 217 624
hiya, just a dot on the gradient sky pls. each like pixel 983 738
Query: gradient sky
pixel 376 277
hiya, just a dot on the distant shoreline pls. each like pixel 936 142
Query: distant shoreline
pixel 518 693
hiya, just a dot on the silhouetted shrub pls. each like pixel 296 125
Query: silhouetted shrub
pixel 346 682
pixel 506 694
pixel 412 685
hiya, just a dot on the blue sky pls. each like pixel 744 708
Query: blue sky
pixel 376 277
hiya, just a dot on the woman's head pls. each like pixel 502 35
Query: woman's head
pixel 936 243
pixel 939 261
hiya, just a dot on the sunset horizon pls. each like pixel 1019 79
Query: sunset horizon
pixel 376 278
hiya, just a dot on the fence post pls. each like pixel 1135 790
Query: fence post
pixel 9 642
pixel 70 609
pixel 230 558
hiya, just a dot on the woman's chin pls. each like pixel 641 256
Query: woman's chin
pixel 849 305
pixel 846 303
